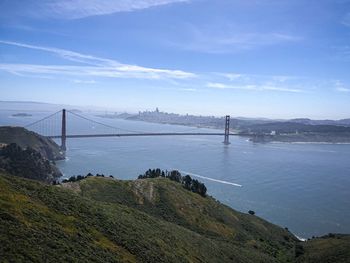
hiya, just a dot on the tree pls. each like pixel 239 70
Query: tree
pixel 187 181
pixel 175 176
pixel 80 177
pixel 202 190
pixel 72 179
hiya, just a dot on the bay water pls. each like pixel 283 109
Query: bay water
pixel 305 187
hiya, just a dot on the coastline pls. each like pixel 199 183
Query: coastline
pixel 323 143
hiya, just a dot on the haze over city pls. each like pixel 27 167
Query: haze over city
pixel 276 59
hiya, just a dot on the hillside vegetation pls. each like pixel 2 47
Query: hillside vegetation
pixel 27 163
pixel 150 220
pixel 24 138
pixel 330 248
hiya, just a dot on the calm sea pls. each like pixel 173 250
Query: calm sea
pixel 304 187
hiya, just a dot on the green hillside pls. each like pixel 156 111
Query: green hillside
pixel 168 201
pixel 331 248
pixel 150 220
pixel 25 138
pixel 27 163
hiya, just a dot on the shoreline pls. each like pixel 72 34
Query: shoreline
pixel 323 143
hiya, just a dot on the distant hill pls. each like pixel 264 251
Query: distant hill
pixel 343 122
pixel 149 220
pixel 292 127
pixel 297 132
pixel 24 138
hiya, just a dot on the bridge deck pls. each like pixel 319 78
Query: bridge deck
pixel 140 134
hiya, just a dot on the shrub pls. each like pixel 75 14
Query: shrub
pixel 187 182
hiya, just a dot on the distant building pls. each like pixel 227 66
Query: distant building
pixel 157 110
pixel 273 133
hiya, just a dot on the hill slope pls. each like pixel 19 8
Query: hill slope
pixel 150 220
pixel 27 163
pixel 24 138
pixel 169 201
pixel 331 248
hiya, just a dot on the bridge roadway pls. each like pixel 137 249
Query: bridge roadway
pixel 139 134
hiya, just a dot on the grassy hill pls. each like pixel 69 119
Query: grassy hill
pixel 330 248
pixel 169 201
pixel 148 220
pixel 24 138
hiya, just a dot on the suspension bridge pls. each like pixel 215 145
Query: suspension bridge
pixel 55 126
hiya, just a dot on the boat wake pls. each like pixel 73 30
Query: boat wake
pixel 210 179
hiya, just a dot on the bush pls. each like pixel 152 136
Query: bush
pixel 82 177
pixel 187 182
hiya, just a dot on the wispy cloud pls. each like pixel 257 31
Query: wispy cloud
pixel 258 82
pixel 81 81
pixel 87 69
pixel 106 72
pixel 230 39
pixel 231 76
pixel 249 77
pixel 343 89
pixel 73 9
pixel 340 87
pixel 188 89
pixel 273 88
pixel 66 54
pixel 101 67
pixel 216 85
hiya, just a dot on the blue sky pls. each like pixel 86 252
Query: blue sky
pixel 280 59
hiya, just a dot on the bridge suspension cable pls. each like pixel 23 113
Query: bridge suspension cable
pixel 103 124
pixel 123 129
pixel 46 126
pixel 43 119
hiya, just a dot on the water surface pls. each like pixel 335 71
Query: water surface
pixel 304 187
